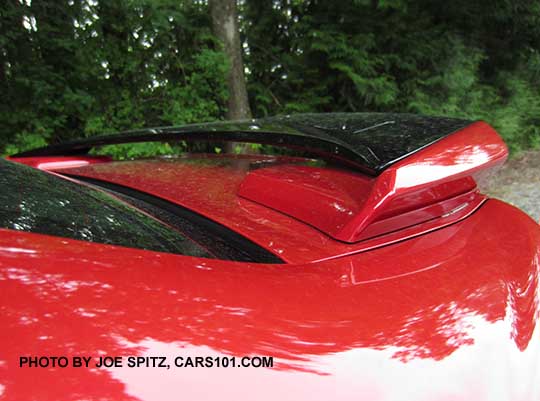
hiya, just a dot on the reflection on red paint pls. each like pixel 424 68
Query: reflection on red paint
pixel 429 305
pixel 60 162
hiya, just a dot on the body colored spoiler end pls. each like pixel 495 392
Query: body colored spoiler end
pixel 432 187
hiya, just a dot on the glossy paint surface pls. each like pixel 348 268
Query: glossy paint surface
pixel 332 197
pixel 430 318
pixel 209 186
pixel 443 170
pixel 325 198
pixel 60 162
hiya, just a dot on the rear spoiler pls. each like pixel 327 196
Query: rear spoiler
pixel 369 142
pixel 431 188
pixel 419 172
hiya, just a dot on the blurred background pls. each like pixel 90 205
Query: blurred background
pixel 74 68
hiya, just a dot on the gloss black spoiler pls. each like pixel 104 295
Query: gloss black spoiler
pixel 370 142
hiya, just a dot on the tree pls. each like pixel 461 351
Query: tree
pixel 225 26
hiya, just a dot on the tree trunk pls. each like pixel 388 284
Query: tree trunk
pixel 225 26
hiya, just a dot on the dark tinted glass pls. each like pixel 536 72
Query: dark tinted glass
pixel 34 201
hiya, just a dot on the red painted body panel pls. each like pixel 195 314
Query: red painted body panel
pixel 449 167
pixel 209 187
pixel 346 205
pixel 324 197
pixel 450 315
pixel 60 162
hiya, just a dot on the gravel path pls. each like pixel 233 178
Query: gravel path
pixel 518 183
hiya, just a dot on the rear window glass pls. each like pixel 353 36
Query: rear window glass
pixel 39 202
pixel 34 201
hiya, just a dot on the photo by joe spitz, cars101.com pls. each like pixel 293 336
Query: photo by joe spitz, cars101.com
pixel 359 261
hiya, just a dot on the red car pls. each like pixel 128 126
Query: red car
pixel 370 268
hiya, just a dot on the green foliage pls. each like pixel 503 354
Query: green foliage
pixel 136 150
pixel 203 95
pixel 73 68
pixel 512 106
pixel 517 117
pixel 81 68
pixel 25 141
pixel 477 60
